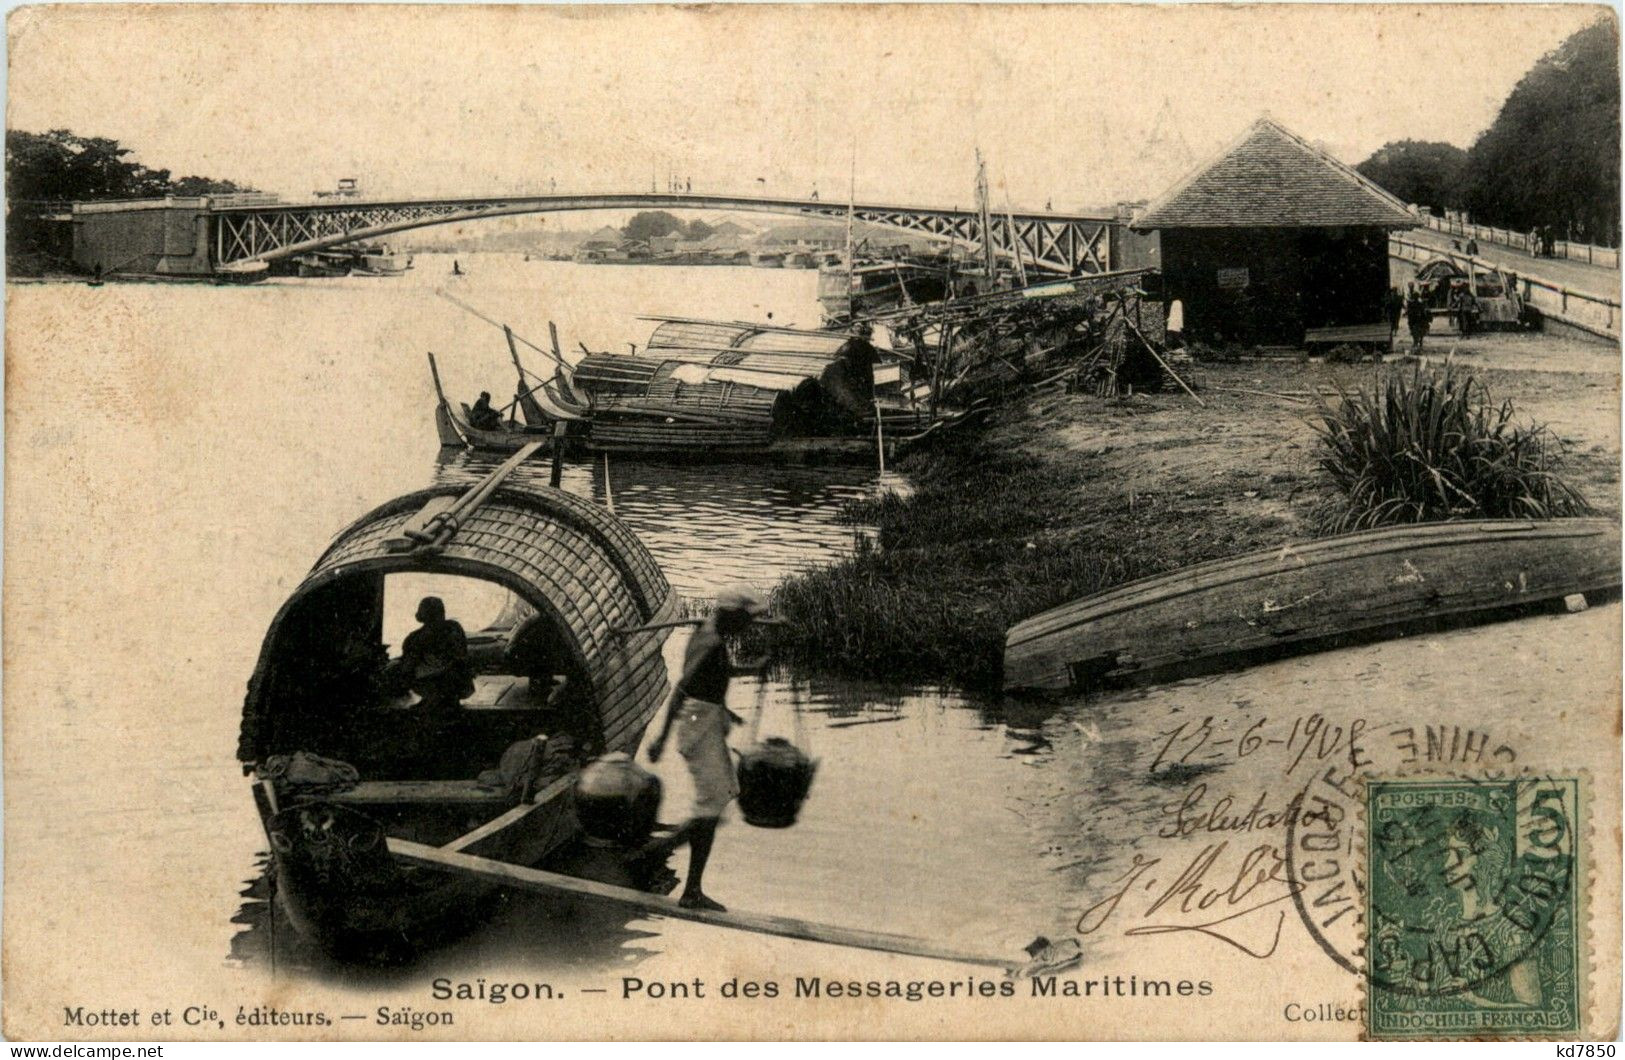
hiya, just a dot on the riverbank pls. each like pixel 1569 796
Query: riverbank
pixel 1062 495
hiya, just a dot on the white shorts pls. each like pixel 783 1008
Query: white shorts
pixel 703 743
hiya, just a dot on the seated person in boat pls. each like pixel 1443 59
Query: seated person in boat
pixel 535 655
pixel 554 682
pixel 482 416
pixel 434 661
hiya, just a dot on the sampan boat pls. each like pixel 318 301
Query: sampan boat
pixel 730 390
pixel 703 390
pixel 1320 594
pixel 342 765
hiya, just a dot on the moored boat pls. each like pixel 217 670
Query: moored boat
pixel 713 387
pixel 869 286
pixel 344 765
pixel 707 390
pixel 1320 594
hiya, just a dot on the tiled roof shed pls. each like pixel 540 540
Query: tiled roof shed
pixel 1272 178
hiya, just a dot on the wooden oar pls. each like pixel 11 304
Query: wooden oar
pixel 528 879
pixel 441 527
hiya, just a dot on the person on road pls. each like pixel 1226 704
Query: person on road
pixel 1393 307
pixel 702 739
pixel 1419 318
pixel 1470 311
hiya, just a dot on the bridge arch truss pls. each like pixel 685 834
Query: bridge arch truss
pixel 1058 243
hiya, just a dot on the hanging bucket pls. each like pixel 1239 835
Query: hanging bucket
pixel 774 779
pixel 617 800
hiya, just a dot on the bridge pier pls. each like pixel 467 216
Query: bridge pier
pixel 147 237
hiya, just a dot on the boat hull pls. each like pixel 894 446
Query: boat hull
pixel 1321 594
pixel 341 889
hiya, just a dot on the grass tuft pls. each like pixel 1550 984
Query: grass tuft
pixel 1426 447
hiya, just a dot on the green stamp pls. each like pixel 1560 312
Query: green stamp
pixel 1473 908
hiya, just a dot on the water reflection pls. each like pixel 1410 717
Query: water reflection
pixel 709 525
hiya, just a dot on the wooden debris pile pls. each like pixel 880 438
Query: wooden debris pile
pixel 1100 333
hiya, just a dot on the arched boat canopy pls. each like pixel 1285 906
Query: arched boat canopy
pixel 571 560
pixel 685 334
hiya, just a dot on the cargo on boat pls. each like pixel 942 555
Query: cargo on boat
pixel 1320 594
pixel 702 385
pixel 345 761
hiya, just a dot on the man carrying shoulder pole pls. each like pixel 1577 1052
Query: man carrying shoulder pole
pixel 699 701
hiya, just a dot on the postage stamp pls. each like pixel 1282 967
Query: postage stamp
pixel 1474 907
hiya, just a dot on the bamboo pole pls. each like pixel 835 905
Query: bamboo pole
pixel 627 631
pixel 465 307
pixel 880 437
pixel 1153 351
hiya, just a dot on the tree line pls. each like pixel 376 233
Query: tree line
pixel 61 166
pixel 651 224
pixel 1550 159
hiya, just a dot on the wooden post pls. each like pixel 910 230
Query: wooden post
pixel 880 438
pixel 558 455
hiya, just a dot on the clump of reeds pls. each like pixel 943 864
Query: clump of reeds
pixel 1426 447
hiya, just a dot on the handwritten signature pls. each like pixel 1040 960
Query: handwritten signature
pixel 1241 897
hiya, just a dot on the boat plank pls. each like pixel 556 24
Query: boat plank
pixel 471 841
pixel 529 879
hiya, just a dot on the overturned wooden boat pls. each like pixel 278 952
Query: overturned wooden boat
pixel 1311 596
pixel 343 767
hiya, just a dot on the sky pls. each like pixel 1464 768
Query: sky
pixel 1076 106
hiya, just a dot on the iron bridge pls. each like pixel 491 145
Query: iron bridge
pixel 1053 242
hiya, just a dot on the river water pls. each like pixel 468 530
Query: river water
pixel 179 457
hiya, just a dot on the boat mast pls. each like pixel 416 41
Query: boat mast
pixel 985 216
pixel 851 202
pixel 1015 243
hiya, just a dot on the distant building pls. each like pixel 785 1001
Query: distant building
pixel 731 230
pixel 1273 238
pixel 814 235
pixel 348 188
